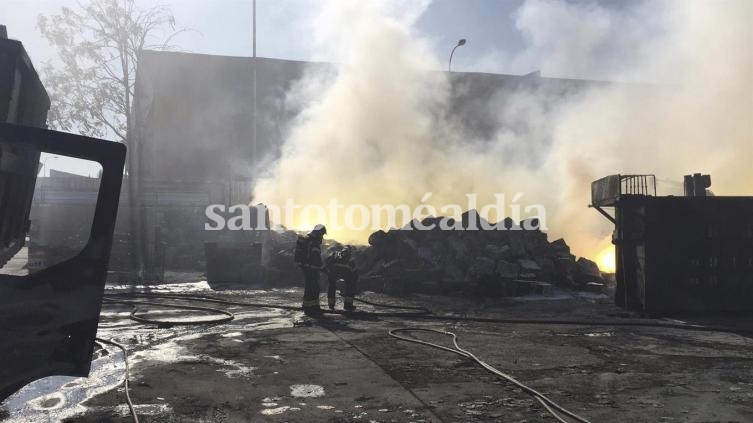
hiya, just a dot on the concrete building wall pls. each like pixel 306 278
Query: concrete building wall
pixel 194 113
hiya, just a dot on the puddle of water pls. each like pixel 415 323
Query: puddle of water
pixel 60 397
pixel 57 398
pixel 278 410
pixel 599 334
pixel 176 315
pixel 231 334
pixel 240 371
pixel 247 313
pixel 144 410
pixel 177 288
pixel 286 291
pixel 306 391
pixel 48 402
pixel 172 352
pixel 272 323
pixel 124 314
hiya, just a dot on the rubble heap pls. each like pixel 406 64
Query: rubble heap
pixel 492 260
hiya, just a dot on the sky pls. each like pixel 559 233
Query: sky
pixel 697 52
pixel 223 27
pixel 284 28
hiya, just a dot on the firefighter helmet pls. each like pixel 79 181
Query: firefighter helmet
pixel 319 230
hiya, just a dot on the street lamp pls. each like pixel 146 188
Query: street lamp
pixel 253 107
pixel 44 163
pixel 461 42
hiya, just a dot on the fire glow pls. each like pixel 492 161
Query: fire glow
pixel 606 260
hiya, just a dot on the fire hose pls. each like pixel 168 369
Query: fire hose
pixel 413 312
pixel 548 404
pixel 225 316
pixel 125 298
pixel 126 388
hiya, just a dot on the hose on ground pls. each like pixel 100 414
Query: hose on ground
pixel 414 313
pixel 125 379
pixel 548 404
pixel 411 311
pixel 422 313
pixel 227 316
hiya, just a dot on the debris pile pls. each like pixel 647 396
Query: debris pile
pixel 514 261
pixel 501 261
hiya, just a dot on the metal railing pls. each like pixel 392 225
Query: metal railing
pixel 606 191
pixel 638 184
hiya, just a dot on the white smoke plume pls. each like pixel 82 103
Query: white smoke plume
pixel 380 131
pixel 693 111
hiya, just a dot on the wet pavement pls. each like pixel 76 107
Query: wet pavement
pixel 274 365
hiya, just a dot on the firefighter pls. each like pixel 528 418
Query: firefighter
pixel 308 256
pixel 340 265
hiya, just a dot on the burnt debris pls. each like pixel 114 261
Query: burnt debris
pixel 507 262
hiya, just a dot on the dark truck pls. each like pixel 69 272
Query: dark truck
pixel 48 319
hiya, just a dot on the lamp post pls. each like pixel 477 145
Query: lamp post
pixel 253 107
pixel 44 163
pixel 461 42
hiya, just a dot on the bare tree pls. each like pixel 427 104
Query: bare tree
pixel 91 89
pixel 99 46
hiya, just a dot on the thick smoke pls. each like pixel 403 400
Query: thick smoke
pixel 381 129
pixel 689 109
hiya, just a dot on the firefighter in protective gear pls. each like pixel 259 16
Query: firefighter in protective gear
pixel 311 264
pixel 340 265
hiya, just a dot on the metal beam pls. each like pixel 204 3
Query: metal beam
pixel 604 213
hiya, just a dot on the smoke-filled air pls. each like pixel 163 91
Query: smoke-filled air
pixel 381 128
